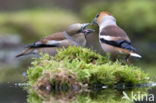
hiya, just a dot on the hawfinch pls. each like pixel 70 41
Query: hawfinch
pixel 74 35
pixel 113 39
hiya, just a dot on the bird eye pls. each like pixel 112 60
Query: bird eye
pixel 97 15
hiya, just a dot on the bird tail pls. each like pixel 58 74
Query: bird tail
pixel 25 52
pixel 135 55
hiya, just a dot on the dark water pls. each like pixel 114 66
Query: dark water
pixel 151 91
pixel 10 93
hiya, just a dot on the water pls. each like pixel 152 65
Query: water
pixel 9 93
pixel 14 93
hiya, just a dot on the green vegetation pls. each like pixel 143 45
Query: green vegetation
pixel 102 96
pixel 86 67
pixel 76 69
pixel 35 23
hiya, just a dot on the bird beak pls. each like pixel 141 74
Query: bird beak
pixel 86 31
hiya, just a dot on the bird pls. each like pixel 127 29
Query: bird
pixel 74 35
pixel 113 39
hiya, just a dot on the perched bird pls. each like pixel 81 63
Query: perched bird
pixel 74 35
pixel 113 39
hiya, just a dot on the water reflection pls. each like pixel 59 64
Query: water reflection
pixel 94 95
pixel 14 93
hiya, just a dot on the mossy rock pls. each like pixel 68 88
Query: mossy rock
pixel 74 69
pixel 87 66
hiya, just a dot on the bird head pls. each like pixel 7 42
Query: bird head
pixel 79 28
pixel 99 17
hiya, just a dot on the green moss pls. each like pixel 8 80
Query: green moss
pixel 33 97
pixel 88 67
pixel 78 54
pixel 75 67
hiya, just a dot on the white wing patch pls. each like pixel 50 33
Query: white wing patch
pixel 52 42
pixel 61 42
pixel 110 38
pixel 106 37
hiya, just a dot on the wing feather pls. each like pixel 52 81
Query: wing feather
pixel 115 36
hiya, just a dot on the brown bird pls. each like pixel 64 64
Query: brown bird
pixel 112 38
pixel 74 35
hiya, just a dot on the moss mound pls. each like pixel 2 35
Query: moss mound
pixel 73 71
pixel 86 67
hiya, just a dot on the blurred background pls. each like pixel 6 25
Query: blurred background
pixel 25 21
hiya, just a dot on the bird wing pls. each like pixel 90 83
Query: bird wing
pixel 49 48
pixel 27 51
pixel 50 43
pixel 115 36
pixel 52 40
pixel 55 36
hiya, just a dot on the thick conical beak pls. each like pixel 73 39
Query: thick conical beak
pixel 86 31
